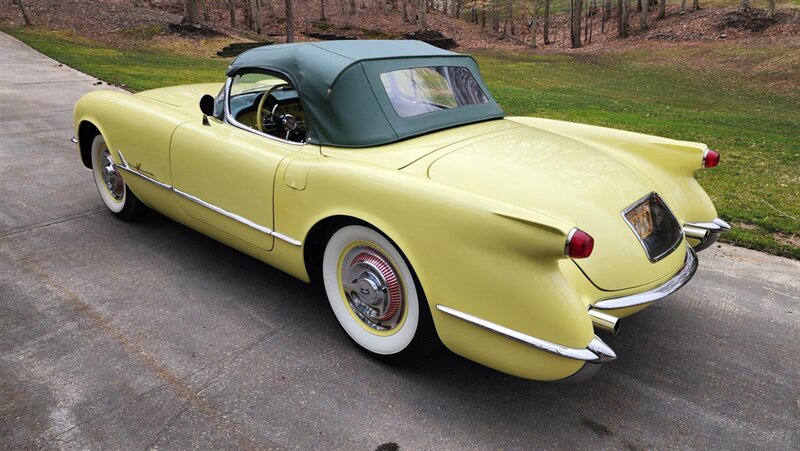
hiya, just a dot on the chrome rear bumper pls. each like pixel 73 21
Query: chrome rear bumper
pixel 595 352
pixel 706 233
pixel 672 285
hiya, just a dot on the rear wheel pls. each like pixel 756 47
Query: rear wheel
pixel 112 188
pixel 376 297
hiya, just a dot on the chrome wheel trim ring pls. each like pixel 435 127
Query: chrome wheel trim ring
pixel 111 177
pixel 373 288
pixel 114 198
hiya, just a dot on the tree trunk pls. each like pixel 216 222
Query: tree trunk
pixel 255 11
pixel 622 18
pixel 508 15
pixel 24 13
pixel 495 16
pixel 190 15
pixel 423 14
pixel 576 5
pixel 322 17
pixel 289 21
pixel 695 5
pixel 405 11
pixel 483 17
pixel 744 5
pixel 683 5
pixel 232 12
pixel 546 24
pixel 352 7
pixel 534 23
pixel 643 14
pixel 204 7
pixel 771 9
pixel 662 9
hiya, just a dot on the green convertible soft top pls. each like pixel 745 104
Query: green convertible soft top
pixel 342 94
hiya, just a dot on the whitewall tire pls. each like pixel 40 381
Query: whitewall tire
pixel 375 296
pixel 110 184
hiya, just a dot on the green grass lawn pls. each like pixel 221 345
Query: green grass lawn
pixel 743 101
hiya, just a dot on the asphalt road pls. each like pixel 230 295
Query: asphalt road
pixel 121 336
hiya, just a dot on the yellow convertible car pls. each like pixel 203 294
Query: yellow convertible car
pixel 387 173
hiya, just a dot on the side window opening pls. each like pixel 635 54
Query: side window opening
pixel 267 104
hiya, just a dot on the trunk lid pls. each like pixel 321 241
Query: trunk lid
pixel 534 168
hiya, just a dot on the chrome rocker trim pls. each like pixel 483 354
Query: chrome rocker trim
pixel 672 285
pixel 706 232
pixel 242 220
pixel 596 351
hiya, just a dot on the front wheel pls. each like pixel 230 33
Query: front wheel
pixel 113 191
pixel 376 297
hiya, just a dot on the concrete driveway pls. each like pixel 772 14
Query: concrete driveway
pixel 119 336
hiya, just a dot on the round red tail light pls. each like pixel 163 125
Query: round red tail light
pixel 711 159
pixel 579 244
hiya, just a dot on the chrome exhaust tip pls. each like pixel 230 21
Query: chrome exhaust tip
pixel 695 232
pixel 604 321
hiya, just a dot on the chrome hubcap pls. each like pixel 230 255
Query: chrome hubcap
pixel 111 176
pixel 373 288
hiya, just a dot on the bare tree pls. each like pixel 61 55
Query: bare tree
pixel 423 14
pixel 289 21
pixel 575 23
pixel 771 9
pixel 405 11
pixel 534 22
pixel 190 14
pixel 695 5
pixel 204 7
pixel 322 17
pixel 232 12
pixel 662 9
pixel 24 13
pixel 622 18
pixel 683 5
pixel 643 14
pixel 546 24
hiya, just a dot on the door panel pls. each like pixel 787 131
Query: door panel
pixel 224 176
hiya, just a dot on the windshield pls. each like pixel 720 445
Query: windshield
pixel 420 90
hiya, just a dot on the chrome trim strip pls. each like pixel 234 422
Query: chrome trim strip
pixel 569 238
pixel 636 234
pixel 596 351
pixel 672 285
pixel 74 140
pixel 716 225
pixel 125 167
pixel 223 212
pixel 231 120
pixel 705 155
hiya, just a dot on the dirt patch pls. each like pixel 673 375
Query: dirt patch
pixel 745 226
pixel 752 20
pixel 187 30
pixel 787 240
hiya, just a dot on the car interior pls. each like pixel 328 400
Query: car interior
pixel 269 105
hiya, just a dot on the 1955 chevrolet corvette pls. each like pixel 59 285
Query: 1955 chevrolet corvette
pixel 386 172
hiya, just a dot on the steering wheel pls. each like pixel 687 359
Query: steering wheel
pixel 288 123
pixel 262 103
